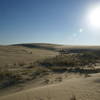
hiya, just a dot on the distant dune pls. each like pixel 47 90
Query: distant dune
pixel 31 52
pixel 24 52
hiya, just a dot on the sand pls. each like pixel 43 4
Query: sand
pixel 80 87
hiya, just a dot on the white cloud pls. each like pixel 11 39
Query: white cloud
pixel 80 30
pixel 74 35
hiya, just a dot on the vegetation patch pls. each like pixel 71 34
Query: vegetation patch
pixel 72 62
pixel 8 78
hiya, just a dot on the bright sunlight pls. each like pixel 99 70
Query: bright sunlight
pixel 94 17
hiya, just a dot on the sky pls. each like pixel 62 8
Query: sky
pixel 47 21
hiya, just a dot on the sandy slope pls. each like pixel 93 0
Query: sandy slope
pixel 10 55
pixel 82 88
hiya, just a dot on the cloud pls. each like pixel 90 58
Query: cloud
pixel 74 35
pixel 81 30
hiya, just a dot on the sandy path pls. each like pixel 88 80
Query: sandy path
pixel 82 88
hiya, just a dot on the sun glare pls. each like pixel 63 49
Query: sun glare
pixel 94 17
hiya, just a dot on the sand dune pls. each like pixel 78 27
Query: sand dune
pixel 82 88
pixel 11 57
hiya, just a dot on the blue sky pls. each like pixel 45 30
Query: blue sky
pixel 46 21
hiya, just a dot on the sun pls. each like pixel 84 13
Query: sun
pixel 94 17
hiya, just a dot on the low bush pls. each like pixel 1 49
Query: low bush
pixel 82 59
pixel 8 78
pixel 71 62
pixel 59 60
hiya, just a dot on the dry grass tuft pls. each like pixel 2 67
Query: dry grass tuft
pixel 73 98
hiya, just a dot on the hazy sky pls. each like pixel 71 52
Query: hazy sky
pixel 47 21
